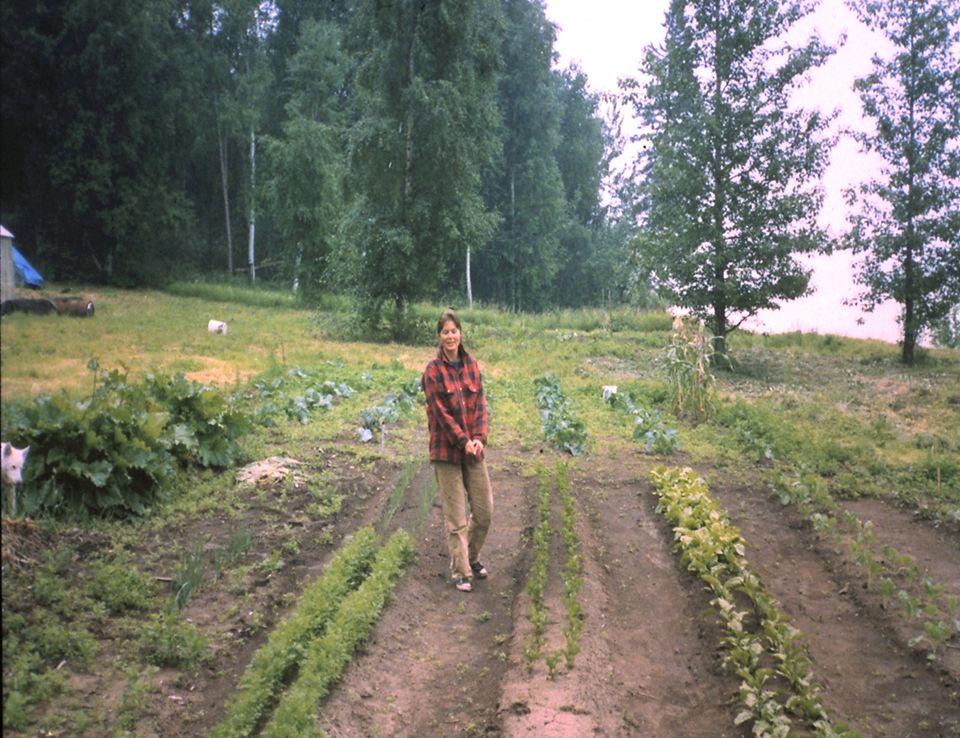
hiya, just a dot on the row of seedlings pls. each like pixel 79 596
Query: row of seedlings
pixel 572 575
pixel 560 426
pixel 923 601
pixel 539 571
pixel 931 613
pixel 310 648
pixel 648 425
pixel 762 648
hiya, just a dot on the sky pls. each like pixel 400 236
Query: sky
pixel 605 38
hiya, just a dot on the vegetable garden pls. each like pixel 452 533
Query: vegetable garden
pixel 768 549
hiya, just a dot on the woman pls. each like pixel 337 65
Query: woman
pixel 457 417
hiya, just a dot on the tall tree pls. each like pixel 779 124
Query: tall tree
pixel 425 111
pixel 732 169
pixel 95 109
pixel 909 218
pixel 304 187
pixel 519 266
pixel 585 272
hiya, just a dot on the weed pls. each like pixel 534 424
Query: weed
pixel 121 586
pixel 167 640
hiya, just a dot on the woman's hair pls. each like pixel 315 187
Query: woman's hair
pixel 444 317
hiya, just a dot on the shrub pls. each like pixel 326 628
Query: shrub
pixel 560 426
pixel 114 453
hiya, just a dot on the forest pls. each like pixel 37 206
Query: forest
pixel 397 151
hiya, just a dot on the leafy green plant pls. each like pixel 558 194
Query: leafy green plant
pixel 120 586
pixel 649 428
pixel 167 640
pixel 560 427
pixel 114 453
pixel 388 412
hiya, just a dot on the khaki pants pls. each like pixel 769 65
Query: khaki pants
pixel 467 500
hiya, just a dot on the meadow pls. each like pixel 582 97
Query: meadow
pixel 802 575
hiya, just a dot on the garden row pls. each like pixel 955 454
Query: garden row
pixel 540 570
pixel 281 690
pixel 761 647
pixel 797 479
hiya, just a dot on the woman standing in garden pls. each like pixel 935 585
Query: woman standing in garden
pixel 457 418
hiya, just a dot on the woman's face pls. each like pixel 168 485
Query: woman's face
pixel 450 337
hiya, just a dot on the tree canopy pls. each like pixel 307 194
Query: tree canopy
pixel 731 169
pixel 907 221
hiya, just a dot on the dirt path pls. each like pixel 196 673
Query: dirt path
pixel 870 679
pixel 437 657
pixel 648 665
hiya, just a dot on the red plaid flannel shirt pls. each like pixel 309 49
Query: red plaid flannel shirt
pixel 456 408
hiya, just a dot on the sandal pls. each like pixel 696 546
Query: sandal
pixel 463 584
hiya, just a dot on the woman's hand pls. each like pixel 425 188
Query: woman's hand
pixel 474 447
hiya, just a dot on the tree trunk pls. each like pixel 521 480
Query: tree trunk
pixel 251 243
pixel 720 330
pixel 408 122
pixel 224 184
pixel 469 285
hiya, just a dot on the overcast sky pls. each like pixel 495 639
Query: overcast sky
pixel 606 38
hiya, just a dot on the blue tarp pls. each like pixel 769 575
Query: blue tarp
pixel 24 270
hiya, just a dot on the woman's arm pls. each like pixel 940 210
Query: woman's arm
pixel 480 422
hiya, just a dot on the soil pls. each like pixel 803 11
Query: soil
pixel 869 674
pixel 445 663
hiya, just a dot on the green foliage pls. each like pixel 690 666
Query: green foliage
pixel 519 266
pixel 204 424
pixel 908 224
pixel 167 640
pixel 648 428
pixel 560 427
pixel 389 411
pixel 279 658
pixel 234 292
pixel 713 549
pixel 132 702
pixel 305 181
pixel 114 453
pixel 539 570
pixel 425 130
pixel 732 170
pixel 26 682
pixel 572 570
pixel 326 656
pixel 120 586
pixel 399 492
